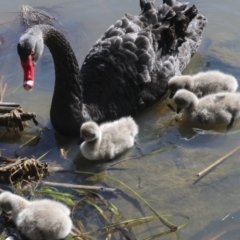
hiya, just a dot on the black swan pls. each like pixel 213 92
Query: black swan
pixel 125 72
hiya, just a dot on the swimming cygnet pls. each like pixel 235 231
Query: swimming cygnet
pixel 204 83
pixel 40 219
pixel 109 139
pixel 216 108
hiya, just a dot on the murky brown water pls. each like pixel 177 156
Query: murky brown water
pixel 166 179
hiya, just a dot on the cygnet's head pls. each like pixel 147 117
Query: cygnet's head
pixel 179 82
pixel 184 99
pixel 89 131
pixel 6 199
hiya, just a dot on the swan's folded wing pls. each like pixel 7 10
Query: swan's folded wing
pixel 129 46
pixel 128 68
pixel 145 42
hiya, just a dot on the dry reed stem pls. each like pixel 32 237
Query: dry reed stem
pixel 99 188
pixel 2 88
pixel 217 162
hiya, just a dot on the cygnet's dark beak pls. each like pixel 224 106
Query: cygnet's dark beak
pixel 171 95
pixel 80 140
pixel 178 110
pixel 171 107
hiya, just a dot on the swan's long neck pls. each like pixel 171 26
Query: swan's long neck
pixel 67 107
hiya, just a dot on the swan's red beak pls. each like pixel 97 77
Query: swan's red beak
pixel 28 69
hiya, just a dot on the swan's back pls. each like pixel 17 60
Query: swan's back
pixel 213 82
pixel 128 68
pixel 45 219
pixel 215 108
pixel 224 101
pixel 204 83
pixel 116 137
pixel 125 125
pixel 119 129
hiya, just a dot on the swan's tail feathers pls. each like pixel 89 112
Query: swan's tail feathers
pixel 193 40
pixel 142 4
pixel 175 5
pixel 180 22
pixel 146 6
pixel 191 12
pixel 166 39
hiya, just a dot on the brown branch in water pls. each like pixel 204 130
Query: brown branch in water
pixel 15 119
pixel 98 188
pixel 217 162
pixel 7 109
pixel 11 114
pixel 9 104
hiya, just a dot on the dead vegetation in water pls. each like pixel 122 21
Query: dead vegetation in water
pixel 23 169
pixel 30 16
pixel 13 117
pixel 12 114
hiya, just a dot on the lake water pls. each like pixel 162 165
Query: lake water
pixel 164 171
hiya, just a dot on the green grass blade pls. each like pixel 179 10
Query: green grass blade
pixel 42 156
pixel 64 197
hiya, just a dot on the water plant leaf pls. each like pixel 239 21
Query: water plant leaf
pixel 101 211
pixel 158 235
pixel 2 236
pixel 170 146
pixel 33 139
pixel 63 197
pixel 42 156
pixel 161 218
pixel 131 222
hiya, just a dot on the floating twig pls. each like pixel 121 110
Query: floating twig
pixel 68 185
pixel 217 162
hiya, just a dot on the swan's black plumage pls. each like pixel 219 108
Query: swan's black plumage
pixel 127 69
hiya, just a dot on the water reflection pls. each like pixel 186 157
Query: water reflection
pixel 221 229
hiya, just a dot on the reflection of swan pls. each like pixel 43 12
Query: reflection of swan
pixel 40 219
pixel 127 69
pixel 204 83
pixel 216 108
pixel 108 139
